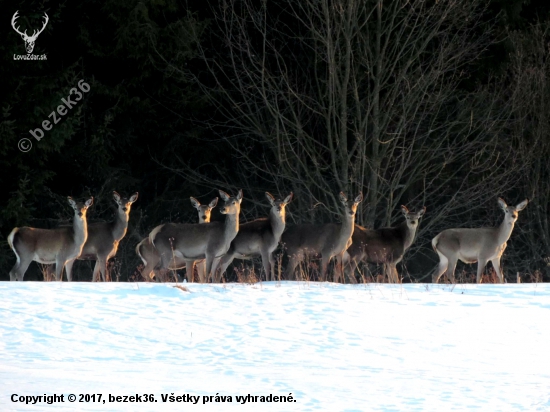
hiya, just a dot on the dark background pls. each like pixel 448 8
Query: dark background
pixel 166 116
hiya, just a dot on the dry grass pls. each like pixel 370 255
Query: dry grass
pixel 47 272
pixel 246 274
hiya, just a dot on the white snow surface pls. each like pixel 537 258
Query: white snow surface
pixel 334 347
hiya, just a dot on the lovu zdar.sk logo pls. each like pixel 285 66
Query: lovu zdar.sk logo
pixel 29 40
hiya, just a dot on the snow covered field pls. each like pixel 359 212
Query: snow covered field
pixel 331 347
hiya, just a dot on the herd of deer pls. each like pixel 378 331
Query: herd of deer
pixel 212 246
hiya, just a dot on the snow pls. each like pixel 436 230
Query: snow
pixel 375 347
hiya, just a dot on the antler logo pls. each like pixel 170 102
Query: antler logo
pixel 29 40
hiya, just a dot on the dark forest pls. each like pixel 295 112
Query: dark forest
pixel 435 104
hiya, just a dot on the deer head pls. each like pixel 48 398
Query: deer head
pixel 29 40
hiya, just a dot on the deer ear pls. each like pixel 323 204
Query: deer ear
pixel 522 205
pixel 288 199
pixel 71 201
pixel 116 196
pixel 134 197
pixel 502 204
pixel 270 198
pixel 225 197
pixel 421 213
pixel 343 197
pixel 196 203
pixel 240 195
pixel 213 203
pixel 359 198
pixel 89 202
pixel 404 210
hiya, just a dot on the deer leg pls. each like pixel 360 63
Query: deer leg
pixel 69 269
pixel 272 266
pixel 350 268
pixel 147 269
pixel 338 269
pixel 146 272
pixel 189 269
pixel 160 275
pixel 266 262
pixel 201 269
pixel 95 274
pixel 100 269
pixel 214 269
pixel 293 261
pixel 387 272
pixel 395 275
pixel 451 270
pixel 324 266
pixel 225 261
pixel 442 266
pixel 19 269
pixel 481 263
pixel 496 265
pixel 59 265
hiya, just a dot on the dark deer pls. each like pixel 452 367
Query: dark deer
pixel 384 246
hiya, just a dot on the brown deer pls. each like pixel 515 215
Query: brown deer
pixel 60 246
pixel 479 245
pixel 151 257
pixel 384 246
pixel 325 240
pixel 259 238
pixel 192 242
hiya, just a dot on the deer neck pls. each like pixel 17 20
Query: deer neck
pixel 231 227
pixel 120 225
pixel 278 223
pixel 80 230
pixel 348 224
pixel 408 235
pixel 504 231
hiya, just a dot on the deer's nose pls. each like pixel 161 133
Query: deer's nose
pixel 80 214
pixel 124 209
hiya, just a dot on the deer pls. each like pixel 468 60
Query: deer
pixel 47 246
pixel 151 258
pixel 385 246
pixel 325 240
pixel 259 237
pixel 29 40
pixel 104 237
pixel 479 245
pixel 192 242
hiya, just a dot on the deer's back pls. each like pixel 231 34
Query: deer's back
pixel 309 238
pixel 376 245
pixel 191 240
pixel 253 236
pixel 468 244
pixel 46 244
